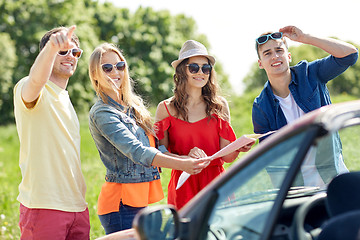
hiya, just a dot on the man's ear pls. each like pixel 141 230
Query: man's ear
pixel 290 59
pixel 260 64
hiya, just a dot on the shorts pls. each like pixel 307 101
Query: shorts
pixel 51 224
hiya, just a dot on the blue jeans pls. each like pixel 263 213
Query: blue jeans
pixel 121 220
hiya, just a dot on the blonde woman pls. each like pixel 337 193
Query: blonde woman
pixel 121 127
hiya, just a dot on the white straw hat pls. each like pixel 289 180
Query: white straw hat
pixel 192 48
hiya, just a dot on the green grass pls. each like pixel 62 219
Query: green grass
pixel 10 178
pixel 92 166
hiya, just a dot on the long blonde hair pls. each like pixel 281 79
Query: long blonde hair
pixel 125 92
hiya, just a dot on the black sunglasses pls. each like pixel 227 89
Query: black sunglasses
pixel 194 68
pixel 107 67
pixel 263 39
pixel 75 52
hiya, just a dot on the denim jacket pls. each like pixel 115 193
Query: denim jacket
pixel 308 87
pixel 123 146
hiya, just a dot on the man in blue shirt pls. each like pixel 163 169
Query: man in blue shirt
pixel 290 92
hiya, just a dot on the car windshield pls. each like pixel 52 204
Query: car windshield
pixel 246 199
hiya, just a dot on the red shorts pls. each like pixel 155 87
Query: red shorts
pixel 53 224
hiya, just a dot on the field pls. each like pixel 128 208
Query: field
pixel 92 167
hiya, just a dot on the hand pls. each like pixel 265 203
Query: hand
pixel 61 41
pixel 195 166
pixel 292 33
pixel 197 153
pixel 247 147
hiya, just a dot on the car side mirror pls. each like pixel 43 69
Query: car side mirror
pixel 157 222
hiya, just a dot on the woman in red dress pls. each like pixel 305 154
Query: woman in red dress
pixel 195 121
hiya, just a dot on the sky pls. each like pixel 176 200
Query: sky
pixel 232 26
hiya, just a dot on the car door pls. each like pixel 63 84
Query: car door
pixel 249 200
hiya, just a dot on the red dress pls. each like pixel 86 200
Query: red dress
pixel 183 136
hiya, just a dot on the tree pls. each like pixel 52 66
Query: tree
pixel 26 21
pixel 8 66
pixel 149 39
pixel 256 78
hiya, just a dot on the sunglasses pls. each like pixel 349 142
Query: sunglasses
pixel 263 39
pixel 107 67
pixel 76 52
pixel 194 68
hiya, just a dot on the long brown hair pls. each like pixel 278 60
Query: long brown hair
pixel 209 94
pixel 125 92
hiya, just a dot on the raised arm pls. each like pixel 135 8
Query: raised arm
pixel 41 70
pixel 335 47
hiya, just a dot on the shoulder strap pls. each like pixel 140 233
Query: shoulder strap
pixel 167 109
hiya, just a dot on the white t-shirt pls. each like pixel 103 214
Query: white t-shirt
pixel 49 135
pixel 309 171
pixel 290 109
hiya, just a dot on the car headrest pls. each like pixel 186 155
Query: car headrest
pixel 344 226
pixel 343 193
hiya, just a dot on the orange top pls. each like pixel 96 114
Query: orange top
pixel 132 194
